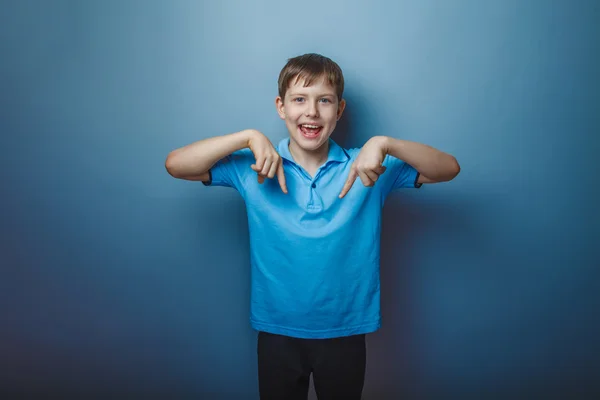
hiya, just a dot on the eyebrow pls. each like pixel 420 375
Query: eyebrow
pixel 319 95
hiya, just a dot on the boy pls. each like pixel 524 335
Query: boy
pixel 314 230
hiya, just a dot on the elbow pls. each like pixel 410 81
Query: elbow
pixel 453 169
pixel 450 170
pixel 171 165
pixel 178 166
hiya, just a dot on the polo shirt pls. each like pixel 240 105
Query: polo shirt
pixel 314 257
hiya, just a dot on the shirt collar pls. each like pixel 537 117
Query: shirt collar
pixel 336 153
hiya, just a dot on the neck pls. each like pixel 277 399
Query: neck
pixel 309 160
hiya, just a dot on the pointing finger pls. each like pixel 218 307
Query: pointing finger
pixel 349 182
pixel 281 178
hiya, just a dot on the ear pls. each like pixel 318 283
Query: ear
pixel 280 107
pixel 341 108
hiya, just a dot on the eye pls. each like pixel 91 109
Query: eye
pixel 326 100
pixel 298 99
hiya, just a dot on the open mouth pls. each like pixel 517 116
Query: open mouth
pixel 310 131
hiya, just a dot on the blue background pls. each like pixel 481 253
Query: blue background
pixel 117 278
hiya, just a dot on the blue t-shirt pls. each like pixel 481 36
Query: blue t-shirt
pixel 314 257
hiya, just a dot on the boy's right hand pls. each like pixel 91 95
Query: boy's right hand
pixel 268 161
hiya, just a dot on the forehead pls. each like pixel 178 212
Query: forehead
pixel 320 84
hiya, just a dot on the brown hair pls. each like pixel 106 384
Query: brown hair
pixel 310 67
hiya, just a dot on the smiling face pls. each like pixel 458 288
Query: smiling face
pixel 310 114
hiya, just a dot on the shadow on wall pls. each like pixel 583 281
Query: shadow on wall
pixel 395 350
pixel 345 133
pixel 394 358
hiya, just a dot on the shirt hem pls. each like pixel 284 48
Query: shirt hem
pixel 316 334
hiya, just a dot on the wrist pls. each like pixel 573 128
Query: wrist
pixel 382 142
pixel 248 135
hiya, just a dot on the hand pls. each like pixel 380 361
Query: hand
pixel 368 165
pixel 268 161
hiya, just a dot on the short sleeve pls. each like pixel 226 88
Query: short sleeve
pixel 232 170
pixel 400 174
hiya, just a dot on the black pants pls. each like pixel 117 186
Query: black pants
pixel 285 364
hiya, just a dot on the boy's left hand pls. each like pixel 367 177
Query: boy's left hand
pixel 368 165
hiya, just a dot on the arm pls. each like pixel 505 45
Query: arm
pixel 192 162
pixel 433 165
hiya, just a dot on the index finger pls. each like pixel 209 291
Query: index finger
pixel 349 182
pixel 281 178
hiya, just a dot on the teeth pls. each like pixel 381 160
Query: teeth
pixel 311 126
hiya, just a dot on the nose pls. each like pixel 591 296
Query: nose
pixel 311 109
